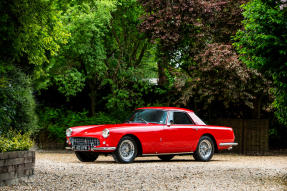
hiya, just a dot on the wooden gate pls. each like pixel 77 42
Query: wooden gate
pixel 250 134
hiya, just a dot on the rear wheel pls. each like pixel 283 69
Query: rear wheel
pixel 204 150
pixel 166 157
pixel 126 151
pixel 86 156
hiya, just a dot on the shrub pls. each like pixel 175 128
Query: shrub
pixel 56 121
pixel 17 104
pixel 15 141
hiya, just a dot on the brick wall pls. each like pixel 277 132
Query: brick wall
pixel 16 166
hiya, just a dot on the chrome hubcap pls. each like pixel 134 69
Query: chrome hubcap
pixel 205 149
pixel 127 150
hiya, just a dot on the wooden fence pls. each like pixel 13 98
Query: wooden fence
pixel 250 134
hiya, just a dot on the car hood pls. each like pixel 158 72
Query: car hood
pixel 97 129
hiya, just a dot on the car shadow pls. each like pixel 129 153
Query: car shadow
pixel 154 161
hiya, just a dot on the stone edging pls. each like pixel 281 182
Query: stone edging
pixel 16 166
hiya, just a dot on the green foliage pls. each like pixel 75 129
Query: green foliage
pixel 122 101
pixel 130 58
pixel 262 45
pixel 82 58
pixel 280 102
pixel 101 50
pixel 56 121
pixel 106 55
pixel 70 82
pixel 15 141
pixel 126 46
pixel 30 32
pixel 17 105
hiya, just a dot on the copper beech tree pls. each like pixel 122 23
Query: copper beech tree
pixel 219 81
pixel 194 46
pixel 188 24
pixel 169 23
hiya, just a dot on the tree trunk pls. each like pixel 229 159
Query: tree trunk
pixel 92 96
pixel 162 65
pixel 257 107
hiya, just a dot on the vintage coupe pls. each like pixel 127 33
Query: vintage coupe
pixel 161 131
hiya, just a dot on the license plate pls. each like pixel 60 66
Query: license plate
pixel 81 148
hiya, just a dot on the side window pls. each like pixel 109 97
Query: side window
pixel 181 118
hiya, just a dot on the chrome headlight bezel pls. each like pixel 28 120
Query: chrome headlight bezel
pixel 106 133
pixel 69 132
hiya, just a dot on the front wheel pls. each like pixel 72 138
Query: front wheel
pixel 87 156
pixel 204 150
pixel 126 151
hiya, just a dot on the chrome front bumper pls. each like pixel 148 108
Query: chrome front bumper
pixel 103 148
pixel 97 148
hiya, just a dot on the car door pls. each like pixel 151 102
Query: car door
pixel 150 132
pixel 179 134
pixel 150 136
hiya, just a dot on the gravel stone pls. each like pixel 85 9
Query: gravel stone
pixel 63 171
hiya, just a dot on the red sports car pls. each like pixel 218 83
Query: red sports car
pixel 161 131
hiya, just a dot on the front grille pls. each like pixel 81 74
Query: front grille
pixel 84 141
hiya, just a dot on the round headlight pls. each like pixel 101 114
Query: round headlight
pixel 69 132
pixel 106 133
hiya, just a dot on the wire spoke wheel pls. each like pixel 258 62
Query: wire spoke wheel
pixel 127 149
pixel 205 149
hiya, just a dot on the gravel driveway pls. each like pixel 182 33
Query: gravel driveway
pixel 62 171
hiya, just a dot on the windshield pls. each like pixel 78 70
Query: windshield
pixel 149 116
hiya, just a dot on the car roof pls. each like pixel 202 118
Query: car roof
pixel 167 108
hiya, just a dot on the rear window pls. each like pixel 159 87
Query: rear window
pixel 181 118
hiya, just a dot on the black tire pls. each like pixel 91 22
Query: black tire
pixel 204 150
pixel 86 156
pixel 126 151
pixel 166 157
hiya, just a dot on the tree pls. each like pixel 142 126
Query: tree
pixel 169 23
pixel 106 56
pixel 222 20
pixel 130 57
pixel 194 46
pixel 81 61
pixel 262 45
pixel 187 26
pixel 30 32
pixel 216 81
